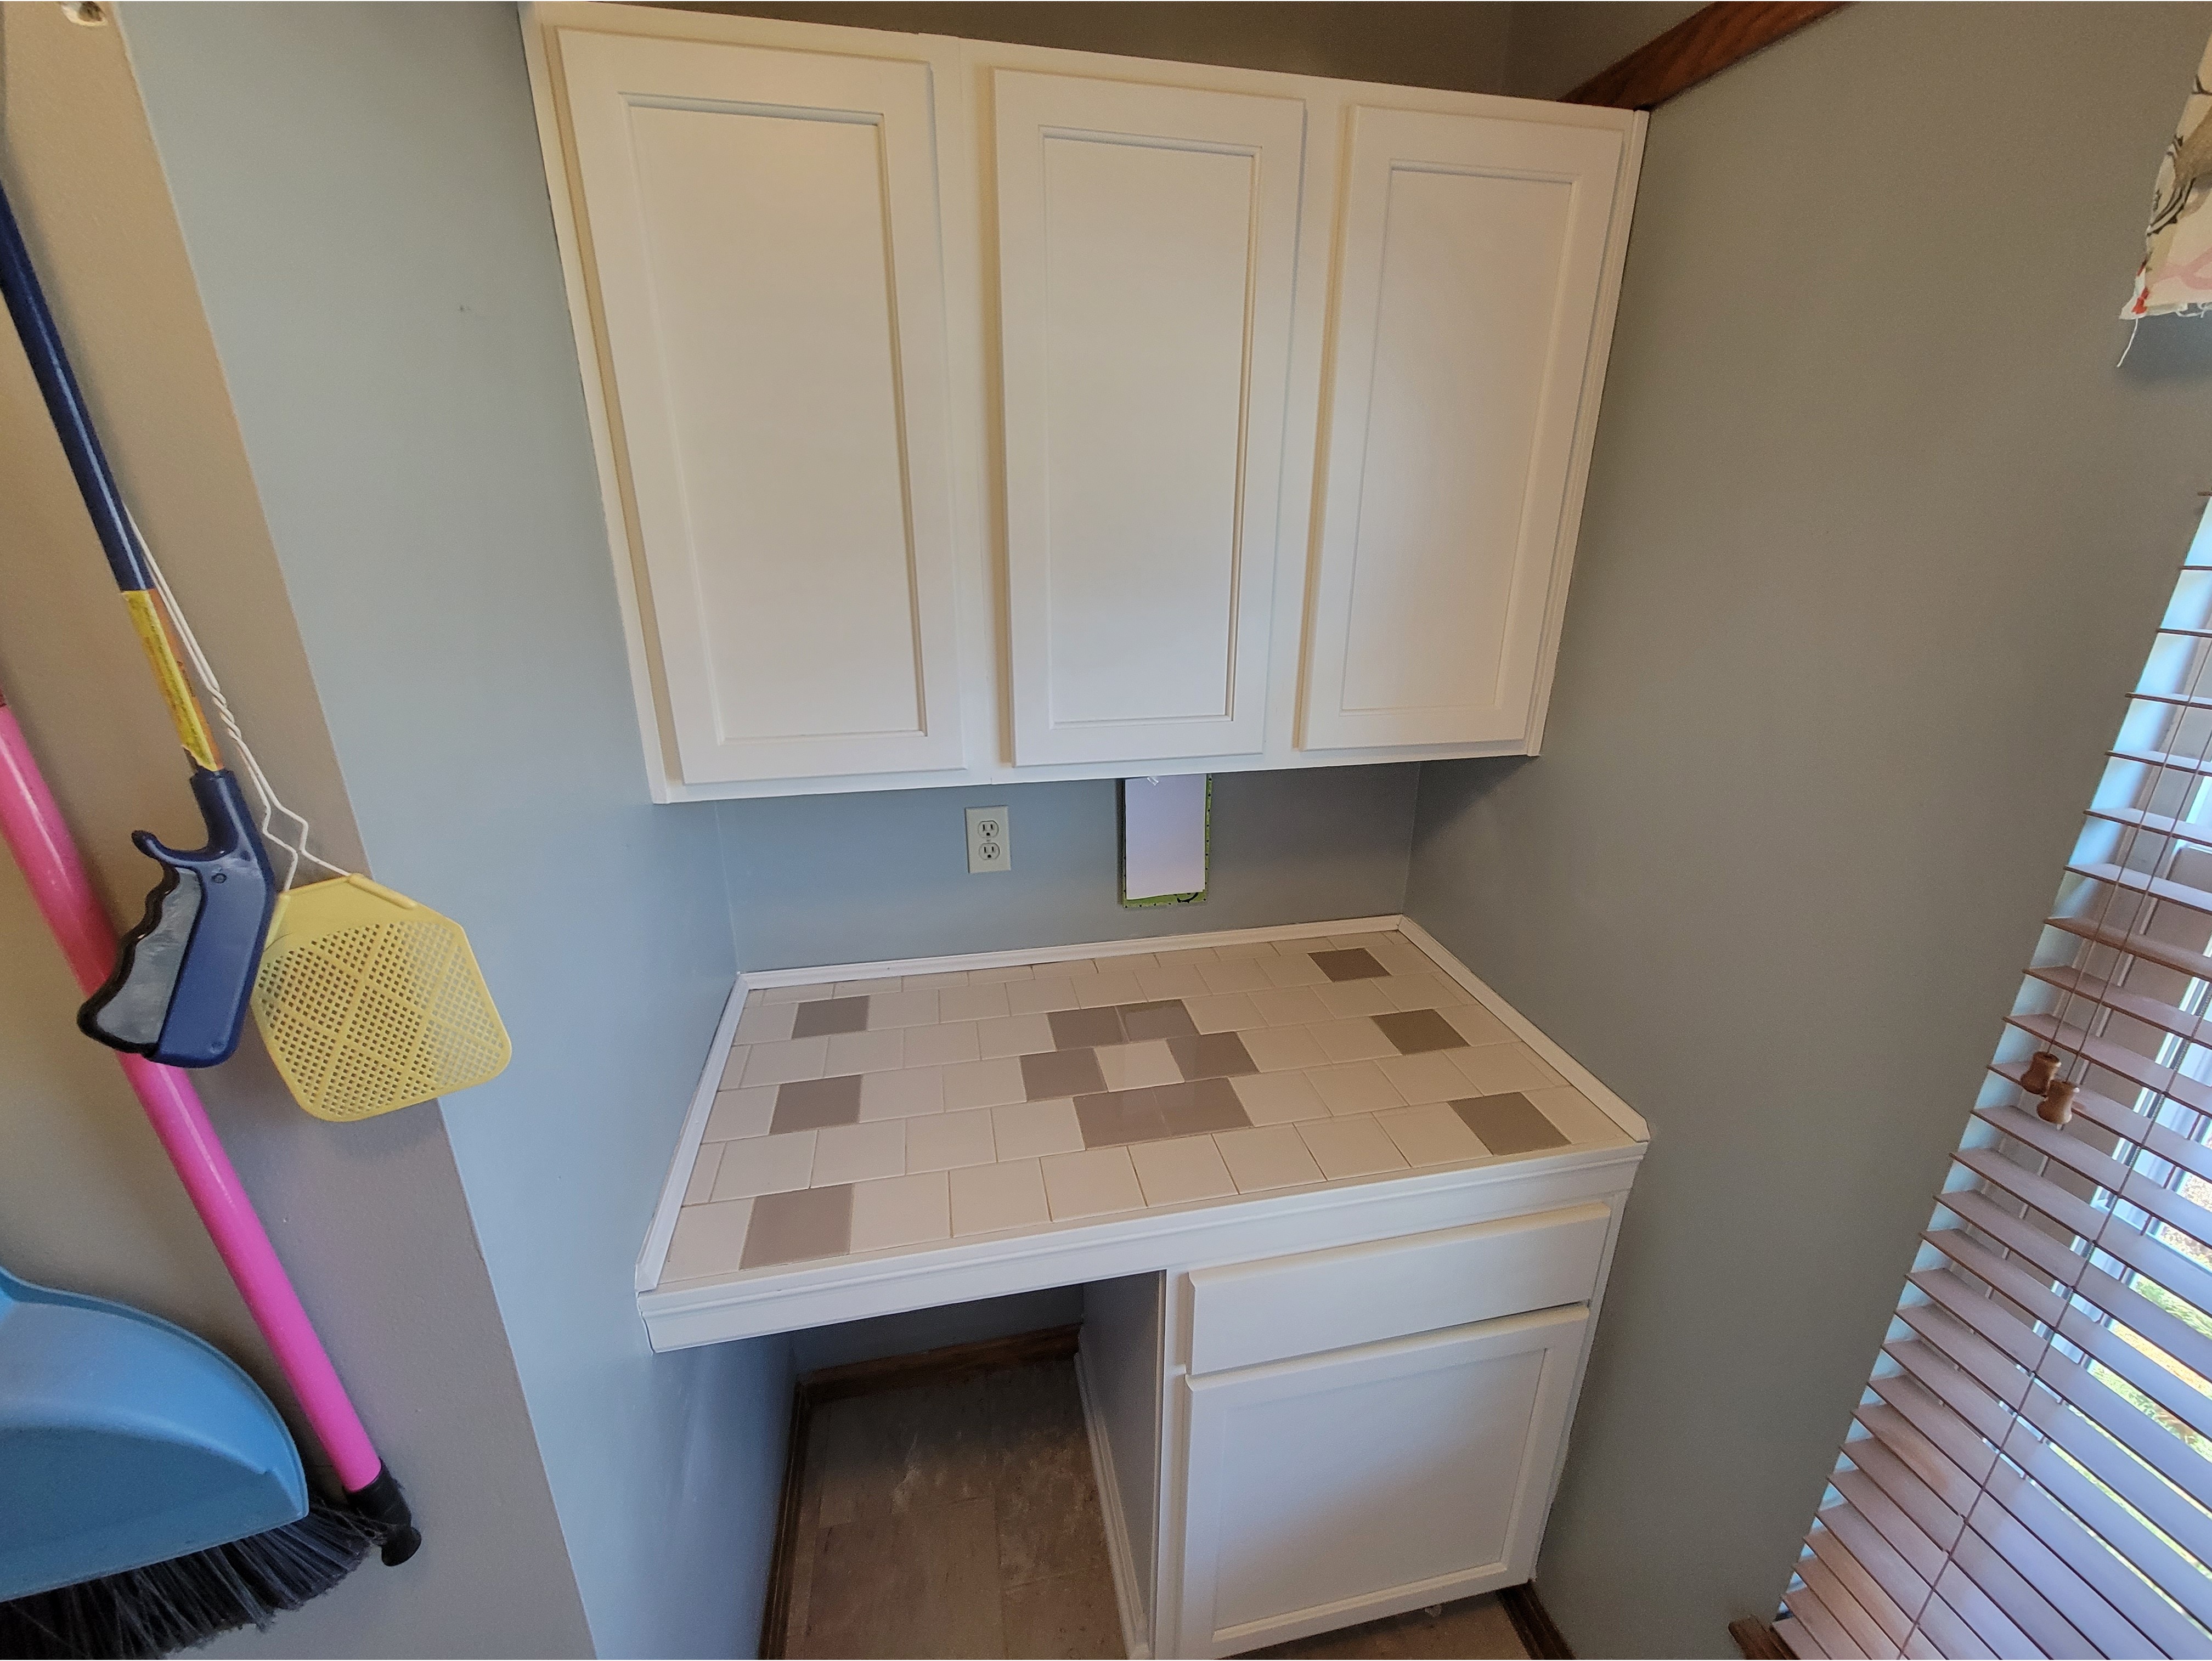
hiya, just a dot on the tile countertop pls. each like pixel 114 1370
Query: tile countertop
pixel 854 1120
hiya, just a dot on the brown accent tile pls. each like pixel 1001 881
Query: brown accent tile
pixel 1507 1124
pixel 1202 1105
pixel 814 1104
pixel 1113 1118
pixel 803 1223
pixel 1061 1073
pixel 1414 1031
pixel 1213 1055
pixel 1353 963
pixel 830 1014
pixel 1086 1029
pixel 1164 1019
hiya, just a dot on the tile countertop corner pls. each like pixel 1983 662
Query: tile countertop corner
pixel 962 1118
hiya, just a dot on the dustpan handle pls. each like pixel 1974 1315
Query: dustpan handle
pixel 31 821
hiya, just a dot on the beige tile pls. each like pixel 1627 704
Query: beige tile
pixel 989 1197
pixel 1184 957
pixel 1420 1078
pixel 710 1239
pixel 942 1141
pixel 1014 1035
pixel 1093 1183
pixel 985 1002
pixel 1401 956
pixel 1354 997
pixel 861 1153
pixel 903 1094
pixel 1005 971
pixel 1358 1038
pixel 983 1083
pixel 1476 1024
pixel 875 988
pixel 1026 1130
pixel 936 978
pixel 1354 1147
pixel 734 1067
pixel 1100 991
pixel 741 1113
pixel 1124 962
pixel 1358 1086
pixel 1184 1169
pixel 1179 980
pixel 1290 1006
pixel 1416 991
pixel 765 1165
pixel 1494 1068
pixel 1279 1098
pixel 939 1046
pixel 1431 1136
pixel 1293 968
pixel 1238 951
pixel 1228 1012
pixel 895 1212
pixel 796 994
pixel 1133 1066
pixel 864 1052
pixel 701 1188
pixel 902 1010
pixel 1047 990
pixel 1276 1049
pixel 1579 1119
pixel 778 1063
pixel 1238 974
pixel 766 1023
pixel 1267 1156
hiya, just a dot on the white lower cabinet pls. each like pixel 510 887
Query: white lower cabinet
pixel 1341 1488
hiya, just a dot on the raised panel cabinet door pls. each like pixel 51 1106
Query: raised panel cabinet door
pixel 1338 1489
pixel 1470 256
pixel 1147 237
pixel 762 226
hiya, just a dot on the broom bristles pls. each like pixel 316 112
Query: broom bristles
pixel 169 1606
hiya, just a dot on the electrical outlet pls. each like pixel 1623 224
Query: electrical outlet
pixel 990 841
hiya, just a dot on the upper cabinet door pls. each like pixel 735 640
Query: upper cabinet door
pixel 762 228
pixel 1469 268
pixel 1147 237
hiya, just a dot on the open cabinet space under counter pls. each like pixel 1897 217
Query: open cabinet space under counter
pixel 1343 1218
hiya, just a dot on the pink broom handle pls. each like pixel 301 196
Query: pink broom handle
pixel 31 823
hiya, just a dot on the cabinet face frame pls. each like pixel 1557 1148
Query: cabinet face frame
pixel 963 69
pixel 1558 1337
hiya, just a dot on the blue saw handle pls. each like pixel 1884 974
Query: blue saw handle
pixel 179 989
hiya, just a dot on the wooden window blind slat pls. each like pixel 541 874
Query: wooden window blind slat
pixel 1874 1549
pixel 2054 1143
pixel 2181 1580
pixel 2153 1442
pixel 1980 1360
pixel 2017 1340
pixel 2184 766
pixel 2138 1069
pixel 1929 1416
pixel 2141 882
pixel 1827 1632
pixel 1990 1417
pixel 2031 1292
pixel 1952 1636
pixel 2132 1479
pixel 2031 1190
pixel 2012 1591
pixel 1904 1488
pixel 2101 989
pixel 2052 1569
pixel 1921 1457
pixel 2117 1355
pixel 1974 1607
pixel 2028 1244
pixel 2149 947
pixel 1866 1633
pixel 2156 824
pixel 1891 1617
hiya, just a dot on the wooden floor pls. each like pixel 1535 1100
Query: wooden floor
pixel 960 1517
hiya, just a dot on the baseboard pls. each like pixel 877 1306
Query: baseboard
pixel 1532 1623
pixel 1135 1637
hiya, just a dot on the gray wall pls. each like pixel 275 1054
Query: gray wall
pixel 370 1219
pixel 1876 541
pixel 361 195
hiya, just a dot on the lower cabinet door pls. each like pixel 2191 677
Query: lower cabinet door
pixel 1342 1488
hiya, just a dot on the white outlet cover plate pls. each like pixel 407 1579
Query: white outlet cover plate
pixel 990 844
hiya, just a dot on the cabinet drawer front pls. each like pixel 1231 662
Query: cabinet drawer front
pixel 761 227
pixel 1251 1312
pixel 1148 241
pixel 1325 1492
pixel 1469 261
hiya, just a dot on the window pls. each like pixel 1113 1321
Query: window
pixel 2028 1470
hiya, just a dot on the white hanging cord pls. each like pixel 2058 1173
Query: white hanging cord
pixel 271 806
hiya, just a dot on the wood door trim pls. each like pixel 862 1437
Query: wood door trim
pixel 1702 44
pixel 1532 1622
pixel 1759 1641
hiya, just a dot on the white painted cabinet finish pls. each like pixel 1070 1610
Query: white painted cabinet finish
pixel 765 237
pixel 1342 1488
pixel 1147 243
pixel 975 412
pixel 1465 315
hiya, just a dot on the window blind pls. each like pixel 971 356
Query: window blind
pixel 2029 1468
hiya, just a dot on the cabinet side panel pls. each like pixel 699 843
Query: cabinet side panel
pixel 1122 1363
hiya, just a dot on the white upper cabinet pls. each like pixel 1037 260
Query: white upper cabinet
pixel 1470 257
pixel 1148 241
pixel 765 238
pixel 969 412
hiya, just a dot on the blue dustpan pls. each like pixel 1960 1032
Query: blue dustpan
pixel 125 1441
